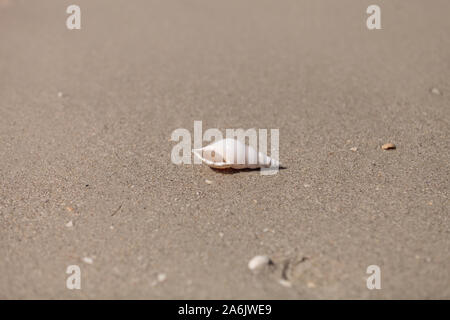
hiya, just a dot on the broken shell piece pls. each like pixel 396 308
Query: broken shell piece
pixel 388 146
pixel 232 153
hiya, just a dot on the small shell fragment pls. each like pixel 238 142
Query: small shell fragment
pixel 436 91
pixel 388 146
pixel 232 153
pixel 258 262
pixel 88 260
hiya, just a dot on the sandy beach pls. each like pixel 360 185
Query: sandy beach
pixel 86 176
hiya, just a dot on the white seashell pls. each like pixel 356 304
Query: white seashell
pixel 232 153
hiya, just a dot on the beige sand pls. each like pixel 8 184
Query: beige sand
pixel 99 155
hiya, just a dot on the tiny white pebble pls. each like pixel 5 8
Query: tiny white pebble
pixel 161 277
pixel 258 262
pixel 111 227
pixel 221 234
pixel 60 94
pixel 208 181
pixel 69 224
pixel 88 260
pixel 306 185
pixel 285 283
pixel 354 149
pixel 311 284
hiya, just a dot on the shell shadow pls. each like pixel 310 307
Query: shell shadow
pixel 234 171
